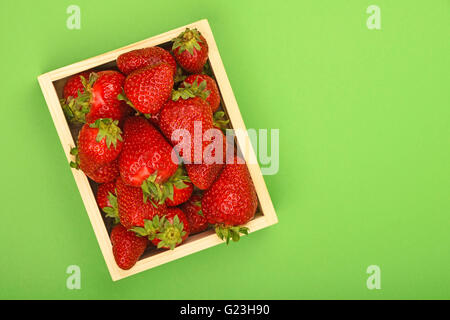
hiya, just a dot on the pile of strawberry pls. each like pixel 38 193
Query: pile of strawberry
pixel 128 118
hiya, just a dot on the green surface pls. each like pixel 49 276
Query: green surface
pixel 364 149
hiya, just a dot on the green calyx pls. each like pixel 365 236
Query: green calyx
pixel 171 233
pixel 75 109
pixel 108 129
pixel 157 192
pixel 113 210
pixel 151 228
pixel 188 40
pixel 219 121
pixel 199 204
pixel 179 76
pixel 122 97
pixel 191 90
pixel 230 232
pixel 75 164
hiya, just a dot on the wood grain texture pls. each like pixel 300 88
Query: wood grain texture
pixel 195 243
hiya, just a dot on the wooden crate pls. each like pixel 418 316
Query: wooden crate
pixel 51 84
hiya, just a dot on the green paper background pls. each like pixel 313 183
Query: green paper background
pixel 364 149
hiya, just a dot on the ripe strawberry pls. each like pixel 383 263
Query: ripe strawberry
pixel 190 50
pixel 127 247
pixel 133 210
pixel 146 159
pixel 103 174
pixel 147 89
pixel 74 87
pixel 136 59
pixel 180 188
pixel 231 201
pixel 185 114
pixel 167 231
pixel 205 87
pixel 203 175
pixel 194 214
pixel 99 98
pixel 103 101
pixel 99 142
pixel 107 200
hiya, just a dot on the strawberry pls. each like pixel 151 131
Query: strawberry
pixel 147 89
pixel 146 159
pixel 136 59
pixel 127 247
pixel 167 231
pixel 205 87
pixel 203 175
pixel 180 190
pixel 107 200
pixel 194 214
pixel 99 142
pixel 99 98
pixel 231 201
pixel 103 174
pixel 133 210
pixel 190 50
pixel 74 87
pixel 182 114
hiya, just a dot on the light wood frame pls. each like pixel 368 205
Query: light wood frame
pixel 264 218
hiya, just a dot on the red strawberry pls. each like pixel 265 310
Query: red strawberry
pixel 148 89
pixel 231 201
pixel 190 50
pixel 185 114
pixel 103 101
pixel 99 98
pixel 107 200
pixel 133 210
pixel 74 85
pixel 99 142
pixel 180 188
pixel 205 87
pixel 203 175
pixel 194 214
pixel 146 159
pixel 136 59
pixel 103 174
pixel 171 229
pixel 127 247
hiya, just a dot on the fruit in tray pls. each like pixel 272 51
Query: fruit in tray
pixel 156 191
